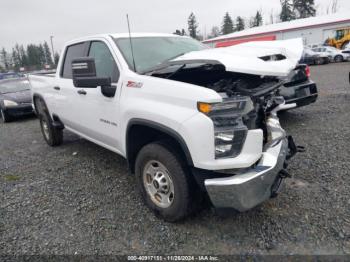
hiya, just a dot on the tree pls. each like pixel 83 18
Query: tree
pixel 257 20
pixel 48 55
pixel 215 32
pixel 56 58
pixel 304 8
pixel 334 6
pixel 16 59
pixel 34 55
pixel 41 54
pixel 5 59
pixel 227 25
pixel 240 25
pixel 23 55
pixel 192 26
pixel 287 12
pixel 179 32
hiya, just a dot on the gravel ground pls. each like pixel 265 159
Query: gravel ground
pixel 79 199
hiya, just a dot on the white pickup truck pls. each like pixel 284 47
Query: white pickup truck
pixel 190 121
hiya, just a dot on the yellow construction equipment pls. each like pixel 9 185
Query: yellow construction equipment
pixel 341 39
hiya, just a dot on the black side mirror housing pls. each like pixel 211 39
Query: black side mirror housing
pixel 84 74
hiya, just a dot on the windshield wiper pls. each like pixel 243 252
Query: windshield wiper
pixel 176 71
pixel 161 66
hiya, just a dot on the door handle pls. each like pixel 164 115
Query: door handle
pixel 56 88
pixel 81 92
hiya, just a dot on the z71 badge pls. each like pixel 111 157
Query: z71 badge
pixel 134 84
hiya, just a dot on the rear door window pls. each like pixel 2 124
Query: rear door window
pixel 73 51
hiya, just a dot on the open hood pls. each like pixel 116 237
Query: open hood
pixel 272 58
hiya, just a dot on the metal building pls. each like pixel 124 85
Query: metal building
pixel 314 30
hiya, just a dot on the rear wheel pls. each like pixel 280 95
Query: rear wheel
pixel 164 182
pixel 52 135
pixel 4 117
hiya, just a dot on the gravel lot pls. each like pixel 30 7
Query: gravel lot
pixel 79 199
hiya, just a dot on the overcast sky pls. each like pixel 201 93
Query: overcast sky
pixel 33 21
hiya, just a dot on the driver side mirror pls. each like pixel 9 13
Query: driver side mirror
pixel 84 74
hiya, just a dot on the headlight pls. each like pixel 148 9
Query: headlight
pixel 230 132
pixel 9 103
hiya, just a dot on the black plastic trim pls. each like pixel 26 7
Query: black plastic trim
pixel 172 133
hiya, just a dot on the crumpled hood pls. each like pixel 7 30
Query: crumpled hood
pixel 244 58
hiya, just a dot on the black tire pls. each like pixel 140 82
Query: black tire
pixel 319 61
pixel 338 59
pixel 52 135
pixel 182 204
pixel 5 118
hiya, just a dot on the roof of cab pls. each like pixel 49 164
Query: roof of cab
pixel 120 35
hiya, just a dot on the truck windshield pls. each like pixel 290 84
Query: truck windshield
pixel 150 52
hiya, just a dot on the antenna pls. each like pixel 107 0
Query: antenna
pixel 132 49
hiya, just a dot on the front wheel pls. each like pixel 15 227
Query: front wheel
pixel 164 183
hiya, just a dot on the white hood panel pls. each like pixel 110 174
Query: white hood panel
pixel 244 58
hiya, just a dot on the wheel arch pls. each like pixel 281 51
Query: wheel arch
pixel 151 132
pixel 38 97
pixel 56 121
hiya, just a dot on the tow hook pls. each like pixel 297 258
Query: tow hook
pixel 276 187
pixel 284 174
pixel 293 148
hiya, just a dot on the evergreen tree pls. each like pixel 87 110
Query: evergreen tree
pixel 227 25
pixel 179 32
pixel 16 59
pixel 257 20
pixel 240 25
pixel 56 58
pixel 34 56
pixel 304 8
pixel 41 53
pixel 192 26
pixel 5 59
pixel 24 57
pixel 48 55
pixel 215 32
pixel 287 12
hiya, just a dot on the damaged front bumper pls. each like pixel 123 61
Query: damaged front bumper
pixel 250 187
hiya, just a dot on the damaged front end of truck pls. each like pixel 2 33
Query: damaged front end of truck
pixel 248 79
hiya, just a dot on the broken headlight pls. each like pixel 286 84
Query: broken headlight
pixel 230 131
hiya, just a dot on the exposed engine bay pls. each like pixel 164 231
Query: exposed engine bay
pixel 215 77
pixel 263 90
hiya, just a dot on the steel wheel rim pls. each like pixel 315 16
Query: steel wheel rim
pixel 158 184
pixel 45 129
